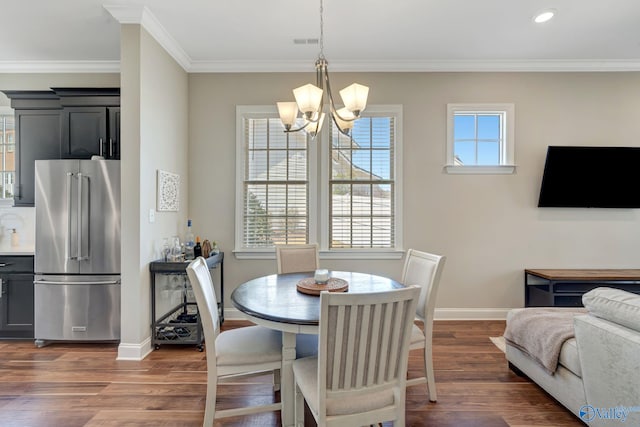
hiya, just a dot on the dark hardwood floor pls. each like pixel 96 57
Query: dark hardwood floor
pixel 69 385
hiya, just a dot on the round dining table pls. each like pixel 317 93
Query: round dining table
pixel 275 302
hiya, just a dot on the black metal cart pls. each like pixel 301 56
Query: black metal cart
pixel 179 322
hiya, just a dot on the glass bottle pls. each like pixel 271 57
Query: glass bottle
pixel 197 249
pixel 189 242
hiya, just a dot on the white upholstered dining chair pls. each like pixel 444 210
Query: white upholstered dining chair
pixel 300 259
pixel 242 351
pixel 297 258
pixel 424 270
pixel 359 376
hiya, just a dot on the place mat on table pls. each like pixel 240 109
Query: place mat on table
pixel 310 287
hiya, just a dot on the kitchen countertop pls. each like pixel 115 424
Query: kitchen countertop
pixel 7 249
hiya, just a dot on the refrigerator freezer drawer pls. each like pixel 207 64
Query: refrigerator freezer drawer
pixel 77 312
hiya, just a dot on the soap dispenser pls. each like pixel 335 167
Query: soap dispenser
pixel 15 238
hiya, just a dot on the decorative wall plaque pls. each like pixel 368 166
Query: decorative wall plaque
pixel 168 198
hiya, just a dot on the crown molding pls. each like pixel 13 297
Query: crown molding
pixel 307 66
pixel 59 66
pixel 604 65
pixel 138 14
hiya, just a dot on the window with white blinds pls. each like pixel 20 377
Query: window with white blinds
pixel 7 156
pixel 362 184
pixel 275 207
pixel 344 193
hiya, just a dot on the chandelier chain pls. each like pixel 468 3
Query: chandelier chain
pixel 321 30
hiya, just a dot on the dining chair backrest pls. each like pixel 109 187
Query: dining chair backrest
pixel 242 351
pixel 363 356
pixel 424 270
pixel 297 258
pixel 205 293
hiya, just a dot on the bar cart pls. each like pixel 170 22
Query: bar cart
pixel 174 312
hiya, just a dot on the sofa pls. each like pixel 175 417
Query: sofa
pixel 597 376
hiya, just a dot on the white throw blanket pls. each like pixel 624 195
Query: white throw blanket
pixel 541 332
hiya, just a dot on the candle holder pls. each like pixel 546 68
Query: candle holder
pixel 321 276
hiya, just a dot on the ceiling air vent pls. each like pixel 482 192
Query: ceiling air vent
pixel 305 41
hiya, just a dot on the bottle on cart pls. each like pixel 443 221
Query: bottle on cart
pixel 189 242
pixel 197 249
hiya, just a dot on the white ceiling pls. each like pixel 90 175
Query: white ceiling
pixel 360 35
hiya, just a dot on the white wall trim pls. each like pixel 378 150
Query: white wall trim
pixel 440 314
pixel 130 351
pixel 138 14
pixel 150 23
pixel 59 66
pixel 229 66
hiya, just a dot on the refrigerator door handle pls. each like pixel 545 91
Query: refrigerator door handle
pixel 81 176
pixel 68 242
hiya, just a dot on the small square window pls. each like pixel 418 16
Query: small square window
pixel 480 138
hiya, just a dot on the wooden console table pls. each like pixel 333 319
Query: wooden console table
pixel 565 287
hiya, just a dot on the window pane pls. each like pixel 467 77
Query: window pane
pixel 257 165
pixel 381 164
pixel 488 153
pixel 489 127
pixel 465 152
pixel 362 186
pixel 275 187
pixel 277 135
pixel 464 126
pixel 361 165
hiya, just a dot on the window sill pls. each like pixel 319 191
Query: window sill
pixel 480 170
pixel 356 254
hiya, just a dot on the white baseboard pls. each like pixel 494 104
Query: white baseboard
pixel 440 314
pixel 134 351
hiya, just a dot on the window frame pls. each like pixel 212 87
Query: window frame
pixel 507 164
pixel 391 110
pixel 261 112
pixel 8 111
pixel 318 157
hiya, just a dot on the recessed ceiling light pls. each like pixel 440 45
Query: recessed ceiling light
pixel 544 16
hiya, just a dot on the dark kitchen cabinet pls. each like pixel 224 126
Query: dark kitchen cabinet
pixel 89 131
pixel 16 297
pixel 60 124
pixel 38 125
pixel 90 122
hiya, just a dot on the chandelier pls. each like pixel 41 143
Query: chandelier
pixel 310 100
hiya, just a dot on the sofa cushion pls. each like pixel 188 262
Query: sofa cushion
pixel 614 305
pixel 569 357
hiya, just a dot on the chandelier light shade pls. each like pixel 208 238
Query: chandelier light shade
pixel 288 112
pixel 313 127
pixel 310 100
pixel 355 97
pixel 344 119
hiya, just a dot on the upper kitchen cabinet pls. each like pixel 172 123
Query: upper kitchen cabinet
pixel 63 123
pixel 38 127
pixel 90 122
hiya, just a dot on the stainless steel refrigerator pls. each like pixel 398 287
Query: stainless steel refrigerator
pixel 77 251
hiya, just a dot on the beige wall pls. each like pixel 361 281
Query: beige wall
pixel 154 136
pixel 488 226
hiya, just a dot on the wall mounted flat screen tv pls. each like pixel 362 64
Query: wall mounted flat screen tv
pixel 591 177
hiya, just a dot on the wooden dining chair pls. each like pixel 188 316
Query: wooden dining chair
pixel 242 351
pixel 359 376
pixel 297 258
pixel 424 270
pixel 300 259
